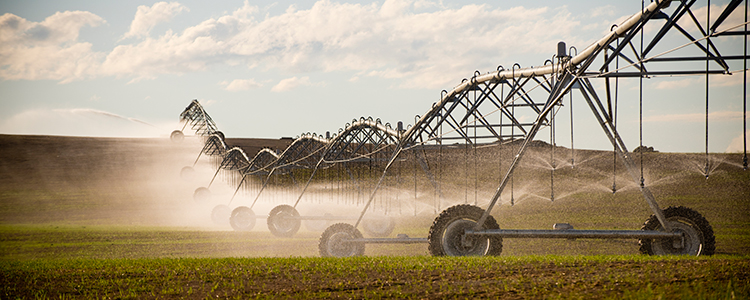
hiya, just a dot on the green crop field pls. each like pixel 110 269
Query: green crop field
pixel 418 277
pixel 85 218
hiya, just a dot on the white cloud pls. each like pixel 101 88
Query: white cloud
pixel 148 17
pixel 292 83
pixel 737 17
pixel 418 42
pixel 241 85
pixel 47 49
pixel 427 49
pixel 677 84
pixel 607 10
pixel 735 79
pixel 722 116
pixel 737 145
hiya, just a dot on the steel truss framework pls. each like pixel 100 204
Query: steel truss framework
pixel 364 140
pixel 514 104
pixel 538 92
pixel 199 121
pixel 360 141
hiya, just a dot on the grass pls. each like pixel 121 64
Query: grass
pixel 103 262
pixel 569 277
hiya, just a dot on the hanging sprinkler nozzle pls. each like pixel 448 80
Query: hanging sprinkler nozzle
pixel 614 188
pixel 744 163
pixel 706 171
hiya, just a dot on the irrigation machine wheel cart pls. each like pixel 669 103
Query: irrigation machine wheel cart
pixel 470 230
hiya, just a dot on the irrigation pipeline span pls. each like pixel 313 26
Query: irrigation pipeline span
pixel 513 96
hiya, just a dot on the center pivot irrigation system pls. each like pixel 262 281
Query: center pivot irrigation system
pixel 503 108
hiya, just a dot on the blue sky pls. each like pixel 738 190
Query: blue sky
pixel 273 69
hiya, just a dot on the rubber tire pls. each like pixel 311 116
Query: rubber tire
pixel 687 219
pixel 331 244
pixel 242 219
pixel 467 215
pixel 220 214
pixel 177 136
pixel 281 227
pixel 202 195
pixel 378 227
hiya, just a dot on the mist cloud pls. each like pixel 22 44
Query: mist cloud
pixel 80 122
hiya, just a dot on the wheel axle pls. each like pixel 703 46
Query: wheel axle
pixel 573 234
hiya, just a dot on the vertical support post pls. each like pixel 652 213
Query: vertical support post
pixel 620 148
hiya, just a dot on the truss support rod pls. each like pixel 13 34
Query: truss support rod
pixel 622 151
pixel 562 87
pixel 214 178
pixel 237 189
pixel 263 187
pixel 199 155
pixel 315 170
pixel 380 181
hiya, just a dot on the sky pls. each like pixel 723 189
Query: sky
pixel 272 69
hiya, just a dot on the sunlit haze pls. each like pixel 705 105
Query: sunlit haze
pixel 272 69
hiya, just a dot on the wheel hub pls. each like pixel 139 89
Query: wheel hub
pixel 284 221
pixel 340 245
pixel 243 219
pixel 689 244
pixel 457 243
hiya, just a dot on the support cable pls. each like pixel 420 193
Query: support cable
pixel 512 131
pixel 440 169
pixel 744 103
pixel 476 174
pixel 614 124
pixel 640 105
pixel 552 156
pixel 708 43
pixel 466 161
pixel 572 147
pixel 415 182
pixel 499 145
